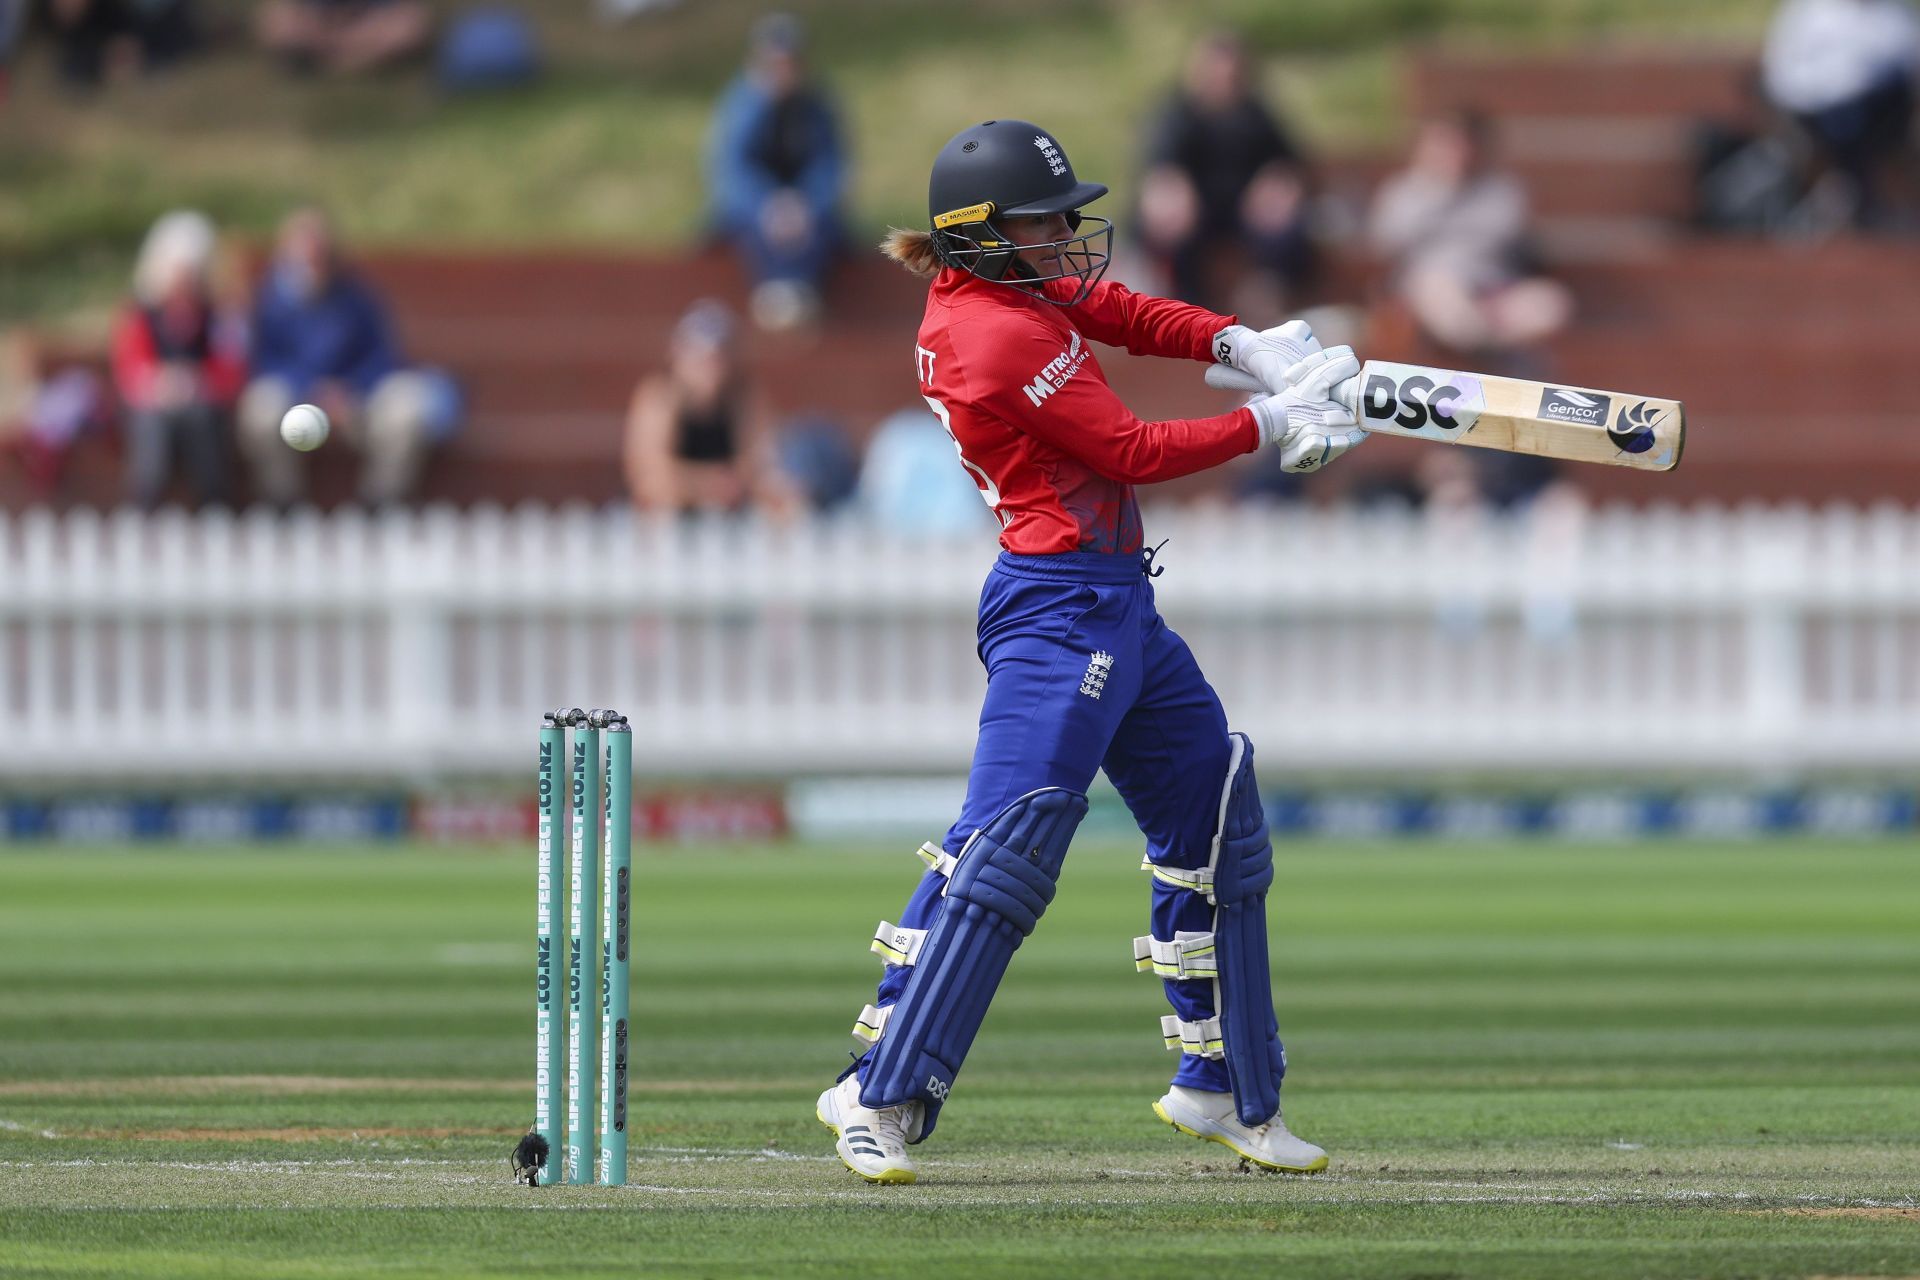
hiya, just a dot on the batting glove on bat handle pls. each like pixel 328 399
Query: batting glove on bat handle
pixel 1283 420
pixel 1225 378
pixel 1267 355
pixel 1310 450
pixel 1312 420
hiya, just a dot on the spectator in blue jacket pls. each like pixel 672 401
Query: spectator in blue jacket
pixel 777 168
pixel 321 336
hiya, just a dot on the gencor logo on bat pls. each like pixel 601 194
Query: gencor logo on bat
pixel 1557 404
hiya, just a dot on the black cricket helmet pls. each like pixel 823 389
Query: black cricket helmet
pixel 1011 169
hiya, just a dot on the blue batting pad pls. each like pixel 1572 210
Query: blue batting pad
pixel 1001 884
pixel 1243 869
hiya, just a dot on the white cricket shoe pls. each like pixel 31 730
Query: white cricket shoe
pixel 1206 1114
pixel 871 1143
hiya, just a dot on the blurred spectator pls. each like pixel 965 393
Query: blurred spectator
pixel 13 17
pixel 488 49
pixel 614 11
pixel 68 404
pixel 179 360
pixel 1844 69
pixel 819 463
pixel 47 405
pixel 912 484
pixel 1490 478
pixel 116 39
pixel 1449 479
pixel 44 410
pixel 342 36
pixel 1220 172
pixel 1749 171
pixel 321 336
pixel 777 171
pixel 1456 230
pixel 19 377
pixel 698 436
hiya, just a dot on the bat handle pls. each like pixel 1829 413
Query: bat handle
pixel 1223 377
pixel 1226 378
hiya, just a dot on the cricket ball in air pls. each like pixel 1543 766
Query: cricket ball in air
pixel 305 427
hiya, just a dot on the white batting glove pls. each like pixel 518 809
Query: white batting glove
pixel 1267 355
pixel 1311 421
pixel 1313 448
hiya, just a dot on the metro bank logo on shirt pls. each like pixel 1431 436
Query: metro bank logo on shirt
pixel 1054 374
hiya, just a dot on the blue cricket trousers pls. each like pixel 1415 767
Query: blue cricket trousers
pixel 1083 674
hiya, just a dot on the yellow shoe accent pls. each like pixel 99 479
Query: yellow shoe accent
pixel 1315 1167
pixel 892 1177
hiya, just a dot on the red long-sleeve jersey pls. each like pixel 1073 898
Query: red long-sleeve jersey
pixel 1054 451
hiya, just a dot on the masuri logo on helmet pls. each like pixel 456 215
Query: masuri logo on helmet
pixel 1014 169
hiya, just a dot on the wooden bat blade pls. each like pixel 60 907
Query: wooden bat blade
pixel 1578 424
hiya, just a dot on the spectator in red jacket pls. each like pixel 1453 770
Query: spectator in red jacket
pixel 179 362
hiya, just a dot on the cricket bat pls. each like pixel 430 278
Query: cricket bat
pixel 1512 414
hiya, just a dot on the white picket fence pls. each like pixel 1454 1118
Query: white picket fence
pixel 1590 645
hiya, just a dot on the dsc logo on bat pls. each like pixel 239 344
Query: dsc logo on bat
pixel 1412 399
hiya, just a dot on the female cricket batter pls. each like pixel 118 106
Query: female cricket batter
pixel 1082 673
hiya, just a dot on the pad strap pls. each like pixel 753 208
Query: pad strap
pixel 936 858
pixel 1201 1039
pixel 871 1023
pixel 1198 879
pixel 1189 955
pixel 896 944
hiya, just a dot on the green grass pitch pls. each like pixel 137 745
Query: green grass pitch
pixel 1529 1061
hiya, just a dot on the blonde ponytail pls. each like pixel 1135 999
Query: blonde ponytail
pixel 912 250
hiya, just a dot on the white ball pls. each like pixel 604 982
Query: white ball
pixel 305 427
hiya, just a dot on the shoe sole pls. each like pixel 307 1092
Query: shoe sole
pixel 889 1178
pixel 1315 1167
